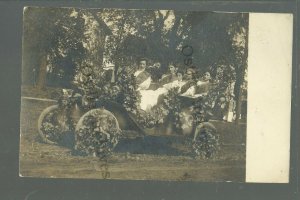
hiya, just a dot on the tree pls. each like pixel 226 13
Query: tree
pixel 52 37
pixel 143 33
pixel 76 38
pixel 36 41
pixel 241 51
pixel 220 44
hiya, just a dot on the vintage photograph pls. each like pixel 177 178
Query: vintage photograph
pixel 134 94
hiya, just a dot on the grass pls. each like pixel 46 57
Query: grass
pixel 46 92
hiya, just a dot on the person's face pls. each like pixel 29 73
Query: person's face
pixel 172 69
pixel 87 71
pixel 85 102
pixel 206 76
pixel 219 72
pixel 157 65
pixel 64 102
pixel 179 76
pixel 189 75
pixel 142 64
pixel 115 90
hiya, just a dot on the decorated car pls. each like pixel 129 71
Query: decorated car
pixel 94 119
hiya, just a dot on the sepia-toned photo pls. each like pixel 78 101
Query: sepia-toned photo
pixel 134 94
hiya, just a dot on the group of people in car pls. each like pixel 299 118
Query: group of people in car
pixel 186 83
pixel 153 86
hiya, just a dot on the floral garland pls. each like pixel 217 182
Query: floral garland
pixel 206 143
pixel 95 138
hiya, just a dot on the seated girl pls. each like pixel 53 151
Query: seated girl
pixel 201 88
pixel 170 76
pixel 149 98
pixel 143 78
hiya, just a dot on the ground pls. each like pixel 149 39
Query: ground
pixel 38 159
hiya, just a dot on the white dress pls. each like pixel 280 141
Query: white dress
pixel 144 85
pixel 149 97
pixel 191 92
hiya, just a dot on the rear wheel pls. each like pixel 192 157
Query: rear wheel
pixel 54 125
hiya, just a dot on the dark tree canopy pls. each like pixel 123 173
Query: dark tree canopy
pixel 68 40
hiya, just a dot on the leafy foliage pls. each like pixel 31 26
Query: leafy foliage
pixel 156 116
pixel 168 110
pixel 129 96
pixel 58 122
pixel 79 43
pixel 75 38
pixel 97 139
pixel 60 46
pixel 206 144
pixel 144 33
pixel 172 104
pixel 51 131
pixel 201 111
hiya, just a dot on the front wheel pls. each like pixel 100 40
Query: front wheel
pixel 97 133
pixel 205 143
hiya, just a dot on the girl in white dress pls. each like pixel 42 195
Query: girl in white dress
pixel 149 97
pixel 201 88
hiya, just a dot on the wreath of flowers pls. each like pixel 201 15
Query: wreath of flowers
pixel 51 126
pixel 97 136
pixel 206 144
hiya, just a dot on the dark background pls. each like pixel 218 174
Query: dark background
pixel 14 187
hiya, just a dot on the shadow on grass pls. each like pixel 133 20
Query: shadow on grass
pixel 159 145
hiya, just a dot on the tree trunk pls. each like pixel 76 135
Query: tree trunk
pixel 238 104
pixel 240 78
pixel 41 81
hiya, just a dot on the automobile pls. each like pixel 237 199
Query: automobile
pixel 95 126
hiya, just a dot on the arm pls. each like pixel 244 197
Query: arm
pixel 189 92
